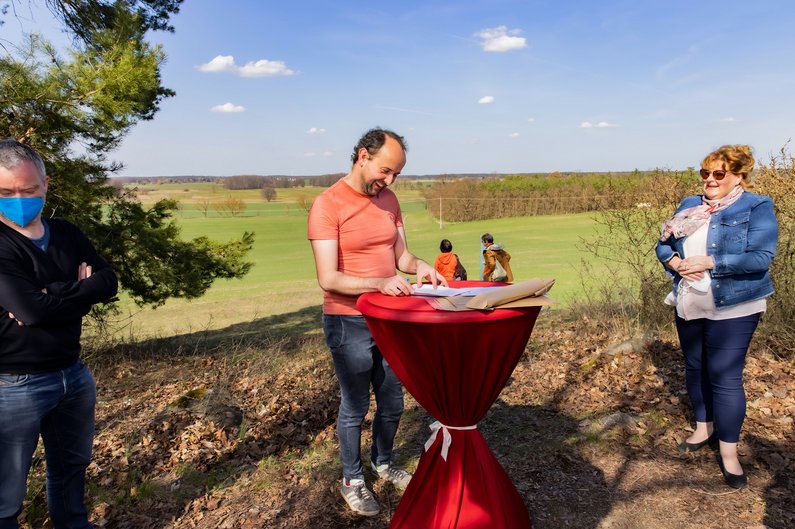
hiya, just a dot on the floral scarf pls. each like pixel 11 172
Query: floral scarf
pixel 689 220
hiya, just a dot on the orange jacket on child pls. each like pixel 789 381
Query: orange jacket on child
pixel 445 264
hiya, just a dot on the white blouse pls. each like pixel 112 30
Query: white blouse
pixel 694 299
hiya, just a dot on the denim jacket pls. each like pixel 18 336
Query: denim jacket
pixel 742 241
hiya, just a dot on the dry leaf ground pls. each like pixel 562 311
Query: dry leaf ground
pixel 235 429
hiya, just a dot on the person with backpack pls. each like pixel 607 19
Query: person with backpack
pixel 448 264
pixel 497 261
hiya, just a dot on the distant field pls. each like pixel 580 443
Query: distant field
pixel 283 277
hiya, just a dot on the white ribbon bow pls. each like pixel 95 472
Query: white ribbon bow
pixel 447 440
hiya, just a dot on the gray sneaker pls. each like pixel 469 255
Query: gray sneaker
pixel 395 475
pixel 359 497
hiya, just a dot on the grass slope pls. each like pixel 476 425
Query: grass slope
pixel 283 276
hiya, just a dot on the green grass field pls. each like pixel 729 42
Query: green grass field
pixel 282 279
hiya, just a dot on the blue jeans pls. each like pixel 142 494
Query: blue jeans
pixel 59 406
pixel 358 364
pixel 714 360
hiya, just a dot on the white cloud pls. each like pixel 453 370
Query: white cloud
pixel 261 68
pixel 316 130
pixel 499 39
pixel 328 153
pixel 513 135
pixel 600 125
pixel 309 154
pixel 265 68
pixel 221 63
pixel 728 120
pixel 531 120
pixel 228 108
pixel 486 100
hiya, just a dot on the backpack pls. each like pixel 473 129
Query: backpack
pixel 499 273
pixel 460 273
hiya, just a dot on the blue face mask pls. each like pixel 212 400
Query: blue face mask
pixel 21 210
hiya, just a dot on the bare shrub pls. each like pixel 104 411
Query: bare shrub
pixel 235 206
pixel 203 205
pixel 230 206
pixel 777 180
pixel 268 193
pixel 305 202
pixel 611 303
pixel 625 237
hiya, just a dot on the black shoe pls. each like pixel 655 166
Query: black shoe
pixel 735 481
pixel 685 447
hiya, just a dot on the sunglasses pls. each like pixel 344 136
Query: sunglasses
pixel 717 175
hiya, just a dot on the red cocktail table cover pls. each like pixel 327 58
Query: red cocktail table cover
pixel 454 364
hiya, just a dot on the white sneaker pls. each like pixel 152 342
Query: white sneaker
pixel 359 497
pixel 395 475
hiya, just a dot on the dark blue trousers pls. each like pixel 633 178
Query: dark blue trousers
pixel 59 406
pixel 714 353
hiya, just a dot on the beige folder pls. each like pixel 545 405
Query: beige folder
pixel 530 293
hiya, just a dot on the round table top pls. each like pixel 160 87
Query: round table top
pixel 415 309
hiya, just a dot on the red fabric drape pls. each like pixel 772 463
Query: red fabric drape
pixel 454 364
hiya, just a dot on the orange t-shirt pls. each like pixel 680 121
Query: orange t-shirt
pixel 365 229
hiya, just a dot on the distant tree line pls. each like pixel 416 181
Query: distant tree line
pixel 469 199
pixel 326 180
pixel 258 182
pixel 182 179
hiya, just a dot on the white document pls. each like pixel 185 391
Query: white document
pixel 439 292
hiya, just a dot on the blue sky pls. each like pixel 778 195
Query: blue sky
pixel 279 87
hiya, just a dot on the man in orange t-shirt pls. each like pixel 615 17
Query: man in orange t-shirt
pixel 357 236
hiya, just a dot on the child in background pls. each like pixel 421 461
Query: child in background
pixel 447 263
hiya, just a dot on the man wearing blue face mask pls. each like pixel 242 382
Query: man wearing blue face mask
pixel 50 276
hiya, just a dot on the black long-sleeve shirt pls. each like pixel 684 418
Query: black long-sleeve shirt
pixel 41 290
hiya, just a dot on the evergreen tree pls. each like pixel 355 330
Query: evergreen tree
pixel 75 111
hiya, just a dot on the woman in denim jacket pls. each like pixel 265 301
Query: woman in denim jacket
pixel 718 247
